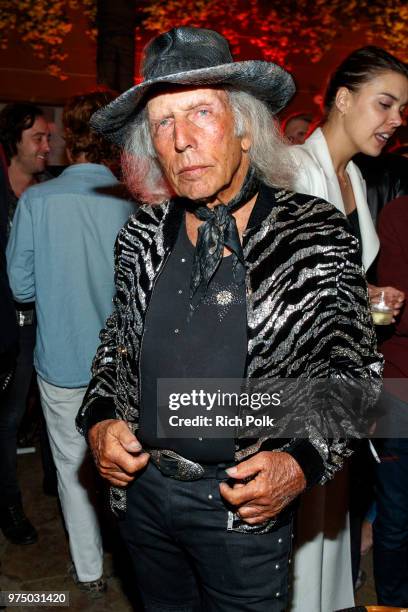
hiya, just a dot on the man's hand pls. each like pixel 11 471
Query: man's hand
pixel 117 452
pixel 277 479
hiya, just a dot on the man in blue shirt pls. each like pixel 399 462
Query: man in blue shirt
pixel 60 254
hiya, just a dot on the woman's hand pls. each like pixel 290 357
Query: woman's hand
pixel 392 297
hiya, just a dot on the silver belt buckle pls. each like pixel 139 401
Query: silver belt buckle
pixel 25 317
pixel 189 470
pixel 186 469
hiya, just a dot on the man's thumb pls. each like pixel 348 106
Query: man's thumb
pixel 243 470
pixel 129 441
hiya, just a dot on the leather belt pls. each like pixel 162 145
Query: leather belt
pixel 175 466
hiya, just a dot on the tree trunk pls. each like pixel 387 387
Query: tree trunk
pixel 115 60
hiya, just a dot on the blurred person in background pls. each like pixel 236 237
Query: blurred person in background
pixel 24 137
pixel 60 254
pixel 8 323
pixel 296 127
pixel 391 475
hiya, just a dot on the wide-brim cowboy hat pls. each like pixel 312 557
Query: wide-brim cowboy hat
pixel 197 57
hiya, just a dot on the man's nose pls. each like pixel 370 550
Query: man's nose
pixel 184 137
pixel 46 145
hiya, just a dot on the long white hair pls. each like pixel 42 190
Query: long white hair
pixel 268 154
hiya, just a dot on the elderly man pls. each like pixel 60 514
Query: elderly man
pixel 227 277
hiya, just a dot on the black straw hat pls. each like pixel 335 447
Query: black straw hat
pixel 197 57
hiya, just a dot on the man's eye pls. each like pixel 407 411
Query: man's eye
pixel 163 123
pixel 203 112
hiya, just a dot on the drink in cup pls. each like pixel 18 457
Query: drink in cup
pixel 382 313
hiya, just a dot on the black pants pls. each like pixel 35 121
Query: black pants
pixel 391 524
pixel 185 559
pixel 362 469
pixel 12 409
pixel 390 529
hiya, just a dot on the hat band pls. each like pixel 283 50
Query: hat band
pixel 172 64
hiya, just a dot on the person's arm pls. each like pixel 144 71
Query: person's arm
pixel 355 371
pixel 355 364
pixel 117 452
pixel 20 252
pixel 276 478
pixel 99 401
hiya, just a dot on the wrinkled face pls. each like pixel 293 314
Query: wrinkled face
pixel 373 113
pixel 193 134
pixel 34 146
pixel 296 130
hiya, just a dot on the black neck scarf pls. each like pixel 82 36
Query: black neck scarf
pixel 219 230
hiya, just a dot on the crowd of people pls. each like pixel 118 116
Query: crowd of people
pixel 190 238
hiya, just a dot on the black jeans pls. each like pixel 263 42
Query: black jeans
pixel 391 523
pixel 186 560
pixel 11 412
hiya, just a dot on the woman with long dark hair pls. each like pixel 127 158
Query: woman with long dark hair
pixel 364 105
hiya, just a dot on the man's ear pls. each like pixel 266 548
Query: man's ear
pixel 245 143
pixel 69 155
pixel 343 100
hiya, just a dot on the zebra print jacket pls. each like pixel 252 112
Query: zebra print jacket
pixel 307 314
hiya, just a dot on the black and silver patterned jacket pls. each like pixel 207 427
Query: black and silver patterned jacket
pixel 307 314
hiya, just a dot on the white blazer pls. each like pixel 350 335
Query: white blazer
pixel 316 176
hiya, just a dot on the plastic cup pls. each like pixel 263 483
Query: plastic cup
pixel 382 313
